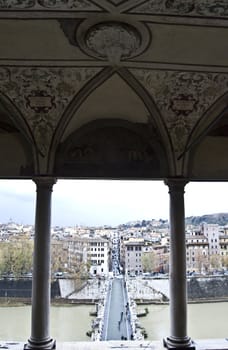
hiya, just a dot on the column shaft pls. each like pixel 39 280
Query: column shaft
pixel 177 268
pixel 40 337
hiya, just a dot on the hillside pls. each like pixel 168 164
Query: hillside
pixel 219 218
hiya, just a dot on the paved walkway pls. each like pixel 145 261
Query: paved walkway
pixel 209 344
pixel 94 289
pixel 148 289
pixel 117 313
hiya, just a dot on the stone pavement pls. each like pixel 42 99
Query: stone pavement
pixel 145 289
pixel 94 290
pixel 148 289
pixel 203 344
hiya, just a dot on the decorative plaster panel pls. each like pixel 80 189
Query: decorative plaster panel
pixel 113 41
pixel 62 5
pixel 42 95
pixel 215 8
pixel 182 98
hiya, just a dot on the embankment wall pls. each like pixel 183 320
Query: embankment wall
pixel 199 289
pixel 23 288
pixel 208 288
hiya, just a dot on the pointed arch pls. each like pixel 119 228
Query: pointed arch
pixel 200 135
pixel 154 123
pixel 17 140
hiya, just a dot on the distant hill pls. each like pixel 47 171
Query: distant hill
pixel 220 219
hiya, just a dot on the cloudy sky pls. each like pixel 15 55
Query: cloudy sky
pixel 82 202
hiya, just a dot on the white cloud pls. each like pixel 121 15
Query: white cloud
pixel 97 202
pixel 110 202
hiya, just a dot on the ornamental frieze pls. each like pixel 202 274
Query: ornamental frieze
pixel 42 95
pixel 62 5
pixel 182 98
pixel 215 8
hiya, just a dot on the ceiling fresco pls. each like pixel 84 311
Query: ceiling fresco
pixel 170 56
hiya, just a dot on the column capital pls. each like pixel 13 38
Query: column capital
pixel 176 184
pixel 44 181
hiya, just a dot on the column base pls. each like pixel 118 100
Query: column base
pixel 42 345
pixel 175 343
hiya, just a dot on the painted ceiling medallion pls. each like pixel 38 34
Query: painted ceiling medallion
pixel 113 41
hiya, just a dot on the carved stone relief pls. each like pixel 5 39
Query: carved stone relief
pixel 215 8
pixel 42 95
pixel 182 98
pixel 112 40
pixel 63 5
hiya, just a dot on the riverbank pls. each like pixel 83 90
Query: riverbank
pixel 14 302
pixel 143 291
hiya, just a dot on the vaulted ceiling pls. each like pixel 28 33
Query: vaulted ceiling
pixel 114 89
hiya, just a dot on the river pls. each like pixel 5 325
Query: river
pixel 70 323
pixel 207 320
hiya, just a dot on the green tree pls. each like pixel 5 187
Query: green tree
pixel 16 258
pixel 149 261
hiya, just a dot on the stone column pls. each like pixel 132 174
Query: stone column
pixel 40 337
pixel 177 269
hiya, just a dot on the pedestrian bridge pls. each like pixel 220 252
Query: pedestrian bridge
pixel 117 316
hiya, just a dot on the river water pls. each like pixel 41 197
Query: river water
pixel 70 323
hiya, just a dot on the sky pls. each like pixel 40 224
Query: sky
pixel 103 202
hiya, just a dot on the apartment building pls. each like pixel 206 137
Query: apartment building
pixel 97 256
pixel 133 256
pixel 197 252
pixel 92 253
pixel 211 231
pixel 223 241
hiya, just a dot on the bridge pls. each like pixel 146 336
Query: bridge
pixel 117 315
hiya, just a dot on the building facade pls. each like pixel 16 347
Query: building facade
pixel 97 256
pixel 133 251
pixel 211 231
pixel 197 253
